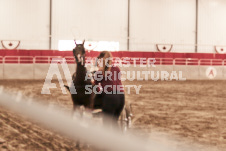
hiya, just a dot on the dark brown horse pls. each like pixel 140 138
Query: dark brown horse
pixel 79 97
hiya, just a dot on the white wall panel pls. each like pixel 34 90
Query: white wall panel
pixel 190 72
pixel 41 71
pixel 1 71
pixel 224 72
pixel 162 21
pixel 99 20
pixel 27 21
pixel 151 22
pixel 212 25
pixel 18 71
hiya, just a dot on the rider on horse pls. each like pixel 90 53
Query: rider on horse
pixel 113 98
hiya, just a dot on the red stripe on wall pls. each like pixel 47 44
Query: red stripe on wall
pixel 135 54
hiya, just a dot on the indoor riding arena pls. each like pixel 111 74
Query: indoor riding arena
pixel 170 57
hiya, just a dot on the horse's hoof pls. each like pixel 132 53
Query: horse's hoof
pixel 87 146
pixel 97 113
pixel 78 146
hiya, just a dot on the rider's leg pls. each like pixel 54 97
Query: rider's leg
pixel 120 105
pixel 110 103
pixel 112 107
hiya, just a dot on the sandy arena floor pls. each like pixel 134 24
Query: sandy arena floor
pixel 192 111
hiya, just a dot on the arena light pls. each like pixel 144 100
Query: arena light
pixel 65 45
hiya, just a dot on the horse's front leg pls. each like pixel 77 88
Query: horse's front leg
pixel 81 110
pixel 75 107
pixel 78 111
pixel 129 114
pixel 73 111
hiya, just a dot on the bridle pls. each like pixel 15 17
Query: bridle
pixel 80 58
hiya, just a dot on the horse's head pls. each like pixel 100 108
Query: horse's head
pixel 79 53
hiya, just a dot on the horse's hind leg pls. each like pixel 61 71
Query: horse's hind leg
pixel 123 120
pixel 129 114
pixel 128 108
pixel 126 117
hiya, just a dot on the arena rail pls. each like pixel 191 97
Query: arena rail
pixel 71 60
pixel 1 59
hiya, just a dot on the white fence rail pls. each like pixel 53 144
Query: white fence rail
pixel 71 60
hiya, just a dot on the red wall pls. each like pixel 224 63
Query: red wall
pixel 138 54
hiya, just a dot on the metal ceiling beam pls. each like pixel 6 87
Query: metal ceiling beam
pixel 196 25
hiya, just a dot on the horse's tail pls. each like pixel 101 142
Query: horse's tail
pixel 67 87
